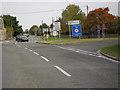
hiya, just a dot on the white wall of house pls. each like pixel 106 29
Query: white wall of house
pixel 2 30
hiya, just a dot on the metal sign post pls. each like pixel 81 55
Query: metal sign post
pixel 103 31
pixel 98 31
pixel 72 22
pixel 58 28
pixel 69 32
pixel 59 35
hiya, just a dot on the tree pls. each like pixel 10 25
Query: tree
pixel 115 26
pixel 44 25
pixel 98 17
pixel 10 21
pixel 72 12
pixel 9 32
pixel 26 31
pixel 41 27
pixel 33 30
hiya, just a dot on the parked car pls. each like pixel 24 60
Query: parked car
pixel 22 38
pixel 26 35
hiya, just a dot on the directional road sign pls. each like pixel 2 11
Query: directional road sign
pixel 73 22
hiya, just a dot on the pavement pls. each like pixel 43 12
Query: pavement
pixel 32 65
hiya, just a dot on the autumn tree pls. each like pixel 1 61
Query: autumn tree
pixel 98 17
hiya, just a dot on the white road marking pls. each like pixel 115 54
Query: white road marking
pixel 64 72
pixel 90 54
pixel 101 56
pixel 45 59
pixel 7 41
pixel 78 51
pixel 18 45
pixel 15 43
pixel 26 48
pixel 36 53
pixel 30 50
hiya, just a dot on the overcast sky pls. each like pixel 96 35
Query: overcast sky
pixel 31 13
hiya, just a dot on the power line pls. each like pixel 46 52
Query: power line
pixel 38 11
pixel 33 12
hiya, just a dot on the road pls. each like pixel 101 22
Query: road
pixel 32 65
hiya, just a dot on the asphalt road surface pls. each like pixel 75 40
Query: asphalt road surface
pixel 32 65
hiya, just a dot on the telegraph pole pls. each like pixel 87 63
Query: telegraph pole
pixel 87 9
pixel 42 29
pixel 52 27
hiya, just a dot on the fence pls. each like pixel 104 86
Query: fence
pixel 92 36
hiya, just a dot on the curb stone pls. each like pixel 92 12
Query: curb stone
pixel 108 56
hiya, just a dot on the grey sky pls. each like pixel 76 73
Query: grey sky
pixel 30 13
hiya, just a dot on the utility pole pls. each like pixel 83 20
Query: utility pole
pixel 87 10
pixel 52 27
pixel 42 28
pixel 41 25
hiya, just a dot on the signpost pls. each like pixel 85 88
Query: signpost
pixel 98 31
pixel 74 22
pixel 56 29
pixel 76 30
pixel 55 33
pixel 103 30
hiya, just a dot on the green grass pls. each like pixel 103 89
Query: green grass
pixel 72 41
pixel 112 50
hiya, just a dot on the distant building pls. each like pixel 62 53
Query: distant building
pixel 2 30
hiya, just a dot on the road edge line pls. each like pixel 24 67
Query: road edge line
pixel 106 57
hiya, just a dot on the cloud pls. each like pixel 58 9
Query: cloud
pixel 60 0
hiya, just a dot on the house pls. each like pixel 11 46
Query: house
pixel 2 30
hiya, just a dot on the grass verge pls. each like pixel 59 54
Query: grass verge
pixel 73 41
pixel 112 50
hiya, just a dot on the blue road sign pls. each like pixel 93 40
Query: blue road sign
pixel 76 30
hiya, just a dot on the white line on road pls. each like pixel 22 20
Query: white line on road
pixel 64 72
pixel 78 51
pixel 30 50
pixel 7 41
pixel 36 53
pixel 26 48
pixel 15 43
pixel 109 59
pixel 18 45
pixel 45 59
